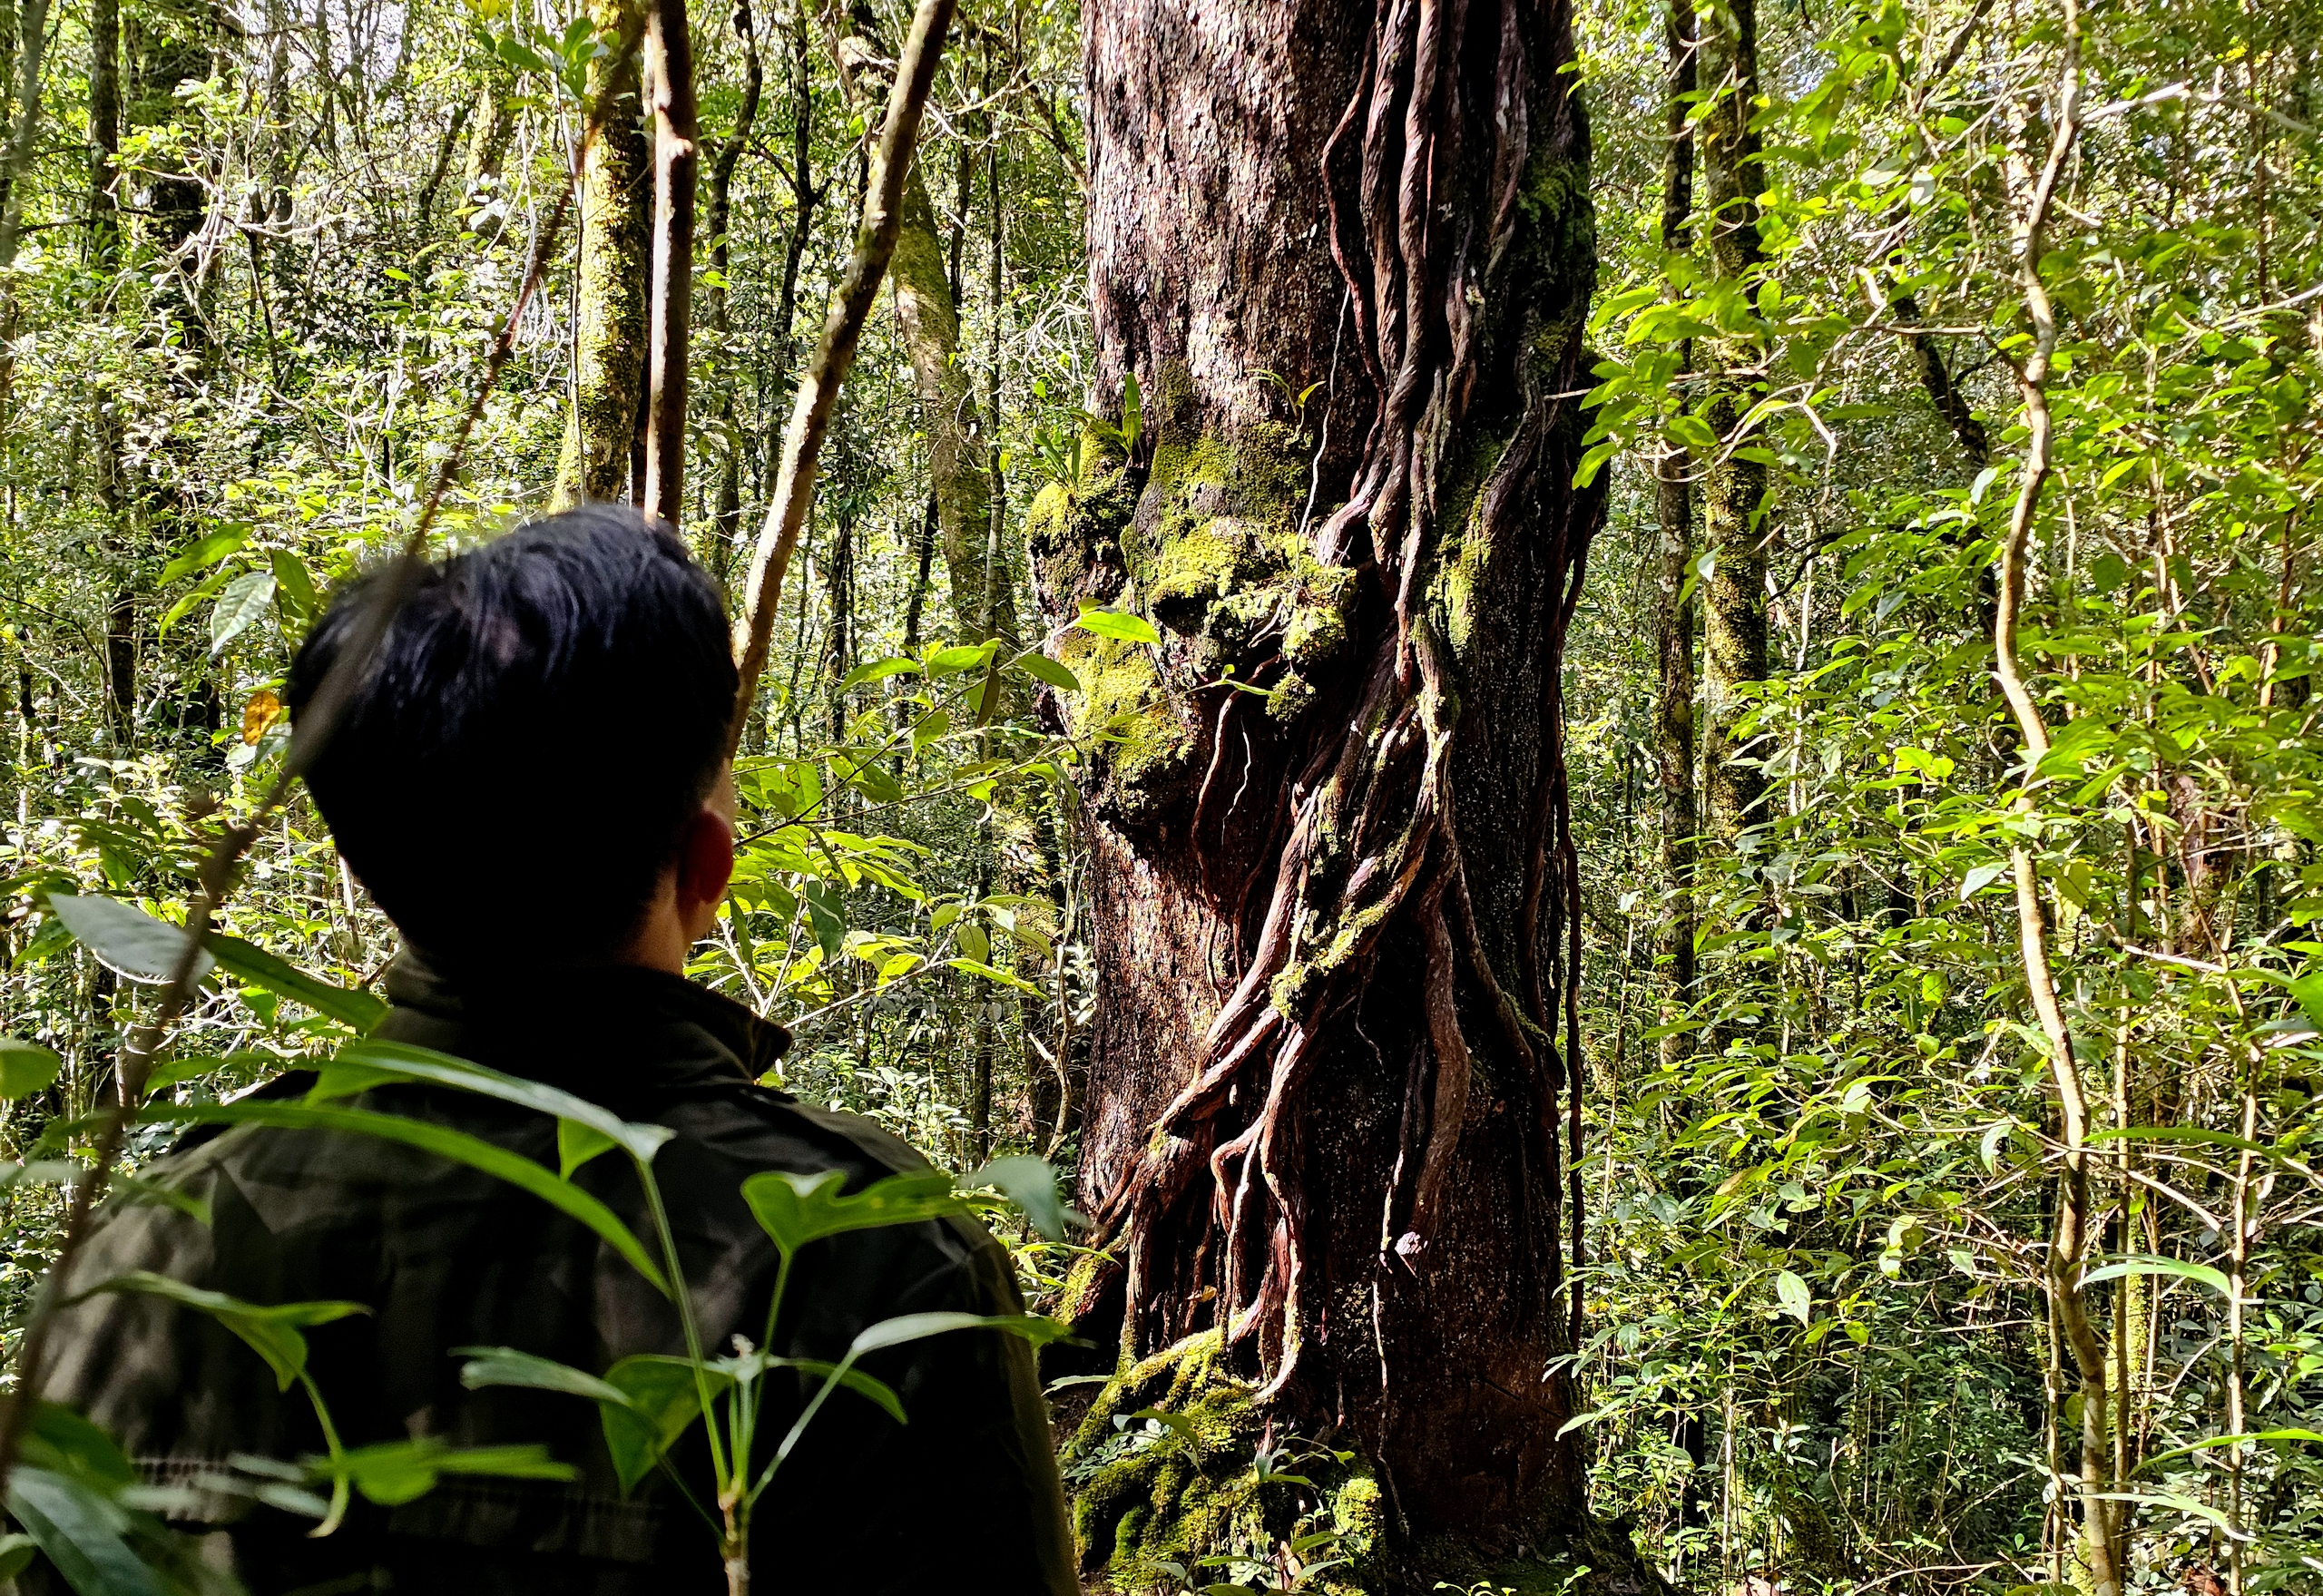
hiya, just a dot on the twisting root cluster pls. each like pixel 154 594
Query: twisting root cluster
pixel 1371 847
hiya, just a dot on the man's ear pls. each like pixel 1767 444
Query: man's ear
pixel 705 859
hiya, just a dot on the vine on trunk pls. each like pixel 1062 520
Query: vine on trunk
pixel 1440 176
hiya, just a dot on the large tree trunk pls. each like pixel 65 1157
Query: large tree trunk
pixel 1327 1121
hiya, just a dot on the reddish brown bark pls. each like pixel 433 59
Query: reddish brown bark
pixel 1328 1107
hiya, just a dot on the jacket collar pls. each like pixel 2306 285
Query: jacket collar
pixel 583 1008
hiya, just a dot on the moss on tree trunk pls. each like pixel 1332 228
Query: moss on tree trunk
pixel 1326 1136
pixel 602 444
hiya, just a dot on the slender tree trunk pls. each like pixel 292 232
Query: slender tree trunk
pixel 928 315
pixel 602 436
pixel 1734 639
pixel 729 511
pixel 105 257
pixel 1673 607
pixel 1326 1131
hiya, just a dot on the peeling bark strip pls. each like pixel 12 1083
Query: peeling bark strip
pixel 1336 922
pixel 676 133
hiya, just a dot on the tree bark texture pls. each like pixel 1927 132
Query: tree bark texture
pixel 1734 611
pixel 1327 1118
pixel 959 456
pixel 602 437
pixel 1673 608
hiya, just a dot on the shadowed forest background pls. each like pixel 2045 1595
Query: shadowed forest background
pixel 1937 1205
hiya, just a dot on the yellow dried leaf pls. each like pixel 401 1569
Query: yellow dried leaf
pixel 262 712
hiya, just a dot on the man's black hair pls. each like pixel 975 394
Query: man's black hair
pixel 511 780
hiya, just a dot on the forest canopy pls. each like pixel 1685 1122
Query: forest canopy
pixel 1600 715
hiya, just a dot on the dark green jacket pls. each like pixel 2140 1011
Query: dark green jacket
pixel 964 1498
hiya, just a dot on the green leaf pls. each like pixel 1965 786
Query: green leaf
pixel 81 1533
pixel 1031 1184
pixel 126 938
pixel 824 915
pixel 292 586
pixel 1797 1300
pixel 1982 877
pixel 576 1144
pixel 2146 1264
pixel 1041 668
pixel 906 1328
pixel 186 603
pixel 271 1332
pixel 796 1209
pixel 62 1441
pixel 393 1472
pixel 879 671
pixel 1118 624
pixel 998 977
pixel 17 1554
pixel 204 551
pixel 359 1011
pixel 849 1378
pixel 245 599
pixel 446 1143
pixel 505 1366
pixel 27 1068
pixel 661 1398
pixel 948 661
pixel 377 1062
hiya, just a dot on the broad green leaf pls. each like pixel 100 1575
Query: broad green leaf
pixel 505 1366
pixel 81 1533
pixel 62 1441
pixel 205 551
pixel 879 671
pixel 959 656
pixel 1797 1300
pixel 239 607
pixel 271 1332
pixel 1120 624
pixel 662 1397
pixel 292 585
pixel 126 938
pixel 444 1142
pixel 393 1472
pixel 27 1068
pixel 2145 1265
pixel 384 1061
pixel 356 1009
pixel 1041 668
pixel 1031 1184
pixel 825 917
pixel 796 1209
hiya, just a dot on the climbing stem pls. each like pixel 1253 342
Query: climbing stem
pixel 2069 1239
